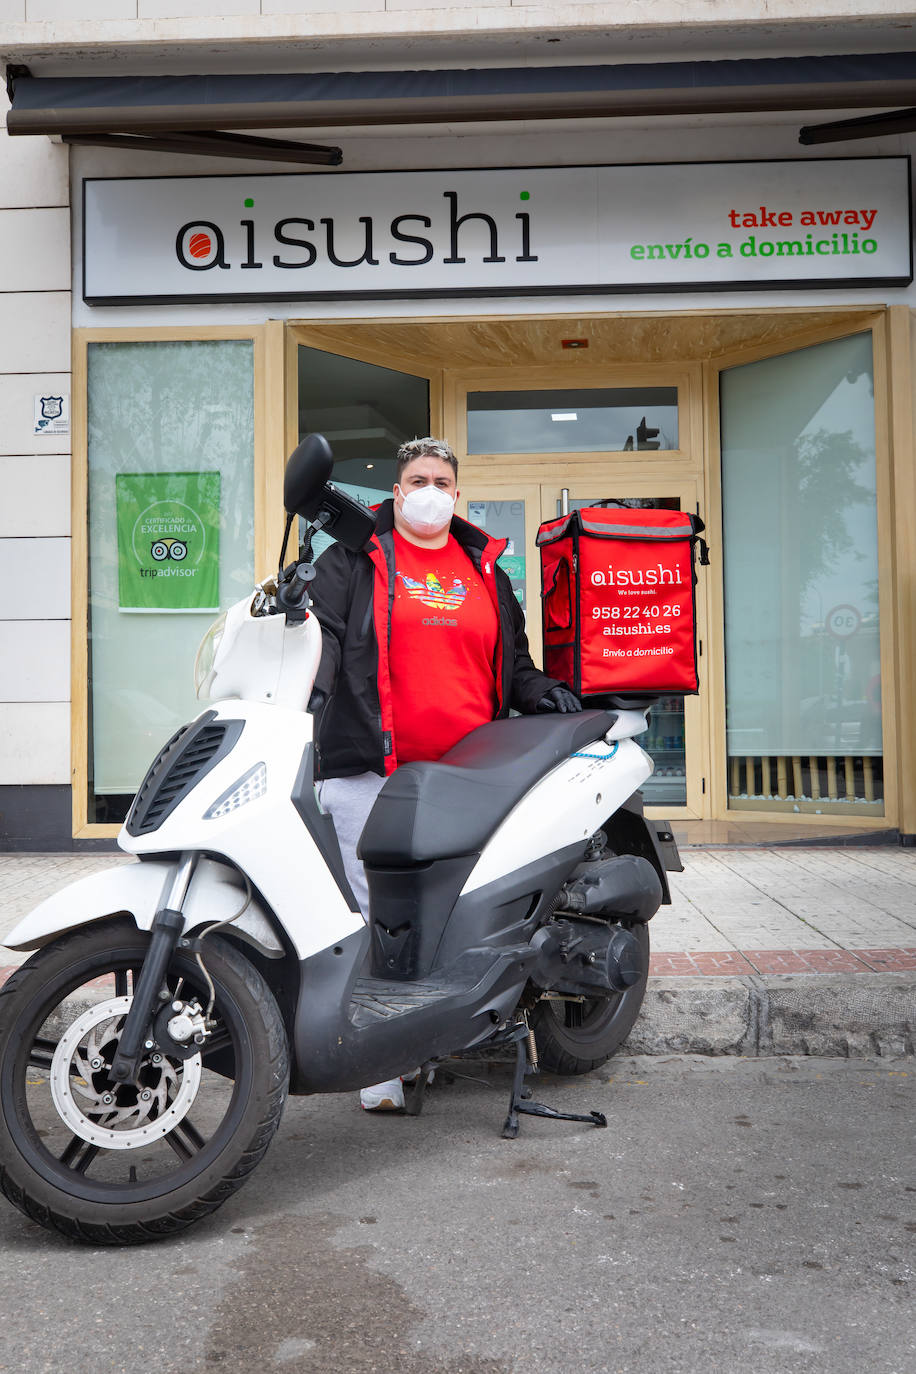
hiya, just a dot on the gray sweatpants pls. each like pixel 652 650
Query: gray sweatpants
pixel 348 801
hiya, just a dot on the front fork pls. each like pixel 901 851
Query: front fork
pixel 165 933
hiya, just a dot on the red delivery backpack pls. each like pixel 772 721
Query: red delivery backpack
pixel 618 599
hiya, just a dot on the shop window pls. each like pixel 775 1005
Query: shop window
pixel 366 413
pixel 802 644
pixel 506 520
pixel 610 420
pixel 171 539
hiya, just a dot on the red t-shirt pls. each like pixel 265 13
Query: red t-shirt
pixel 443 646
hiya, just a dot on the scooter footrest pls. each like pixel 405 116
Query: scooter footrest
pixel 374 1000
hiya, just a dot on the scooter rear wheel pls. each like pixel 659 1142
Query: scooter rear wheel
pixel 116 1164
pixel 575 1037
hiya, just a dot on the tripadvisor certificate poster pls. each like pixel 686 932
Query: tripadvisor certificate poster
pixel 168 541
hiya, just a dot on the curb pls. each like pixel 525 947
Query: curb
pixel 829 1015
pixel 825 1015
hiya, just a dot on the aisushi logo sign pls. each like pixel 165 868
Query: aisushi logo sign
pixel 453 235
pixel 200 246
pixel 637 577
pixel 496 231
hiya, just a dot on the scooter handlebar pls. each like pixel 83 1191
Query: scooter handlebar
pixel 293 591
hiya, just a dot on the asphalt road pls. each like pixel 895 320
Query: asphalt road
pixel 735 1214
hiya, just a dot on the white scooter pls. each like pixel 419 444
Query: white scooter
pixel 147 1048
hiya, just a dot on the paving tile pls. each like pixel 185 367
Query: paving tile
pixel 892 890
pixel 830 896
pixel 726 964
pixel 879 859
pixel 833 961
pixel 26 880
pixel 733 911
pixel 662 964
pixel 778 960
pixel 678 928
pixel 889 960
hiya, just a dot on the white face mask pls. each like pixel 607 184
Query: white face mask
pixel 427 510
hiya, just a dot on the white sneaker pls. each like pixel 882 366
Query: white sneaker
pixel 383 1097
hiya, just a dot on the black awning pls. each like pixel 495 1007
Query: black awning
pixel 163 105
pixel 866 126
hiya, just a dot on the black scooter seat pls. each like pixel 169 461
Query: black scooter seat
pixel 443 810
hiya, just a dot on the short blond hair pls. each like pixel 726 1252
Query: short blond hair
pixel 425 448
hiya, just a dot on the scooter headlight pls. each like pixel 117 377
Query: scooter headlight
pixel 247 788
pixel 206 657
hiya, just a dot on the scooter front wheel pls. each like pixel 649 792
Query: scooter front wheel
pixel 576 1036
pixel 118 1164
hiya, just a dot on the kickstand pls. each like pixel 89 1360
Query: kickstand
pixel 517 1103
pixel 415 1088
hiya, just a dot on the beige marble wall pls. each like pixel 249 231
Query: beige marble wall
pixel 34 469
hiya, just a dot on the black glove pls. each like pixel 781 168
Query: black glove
pixel 316 700
pixel 559 699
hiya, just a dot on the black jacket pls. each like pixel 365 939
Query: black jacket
pixel 352 596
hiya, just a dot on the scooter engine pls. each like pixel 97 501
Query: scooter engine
pixel 623 887
pixel 588 956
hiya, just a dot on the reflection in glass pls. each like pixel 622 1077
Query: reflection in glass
pixel 665 742
pixel 801 581
pixel 155 409
pixel 611 420
pixel 366 413
pixel 505 520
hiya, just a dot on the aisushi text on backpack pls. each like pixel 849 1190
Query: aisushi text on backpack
pixel 619 611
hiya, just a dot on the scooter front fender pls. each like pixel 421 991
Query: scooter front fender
pixel 139 889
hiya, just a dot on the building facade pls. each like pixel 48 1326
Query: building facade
pixel 657 254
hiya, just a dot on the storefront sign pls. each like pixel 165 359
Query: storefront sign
pixel 168 541
pixel 684 227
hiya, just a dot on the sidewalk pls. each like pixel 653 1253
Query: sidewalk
pixel 762 951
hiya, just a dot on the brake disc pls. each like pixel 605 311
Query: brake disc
pixel 117 1116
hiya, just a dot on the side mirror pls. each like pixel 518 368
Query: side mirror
pixel 307 492
pixel 307 470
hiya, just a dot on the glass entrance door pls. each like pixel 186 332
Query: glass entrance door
pixel 366 412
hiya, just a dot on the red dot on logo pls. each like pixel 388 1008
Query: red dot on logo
pixel 200 245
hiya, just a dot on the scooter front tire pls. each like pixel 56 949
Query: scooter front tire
pixel 113 1165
